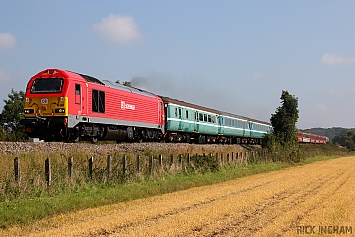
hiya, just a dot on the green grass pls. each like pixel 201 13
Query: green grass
pixel 26 210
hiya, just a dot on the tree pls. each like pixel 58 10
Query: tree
pixel 11 115
pixel 285 118
pixel 350 141
pixel 282 142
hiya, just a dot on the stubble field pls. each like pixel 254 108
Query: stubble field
pixel 310 200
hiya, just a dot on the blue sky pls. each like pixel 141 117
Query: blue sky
pixel 235 56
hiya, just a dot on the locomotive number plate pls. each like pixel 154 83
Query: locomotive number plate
pixel 44 101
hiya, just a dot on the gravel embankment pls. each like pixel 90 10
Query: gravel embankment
pixel 9 148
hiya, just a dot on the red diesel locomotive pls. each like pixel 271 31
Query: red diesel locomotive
pixel 68 106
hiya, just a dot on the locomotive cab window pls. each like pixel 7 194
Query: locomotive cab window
pixel 47 85
pixel 98 101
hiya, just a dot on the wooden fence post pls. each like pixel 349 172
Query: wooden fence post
pixel 109 166
pixel 124 164
pixel 91 165
pixel 138 164
pixel 171 160
pixel 151 157
pixel 180 160
pixel 70 167
pixel 161 161
pixel 47 171
pixel 188 158
pixel 17 169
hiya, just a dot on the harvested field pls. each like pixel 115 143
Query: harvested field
pixel 298 201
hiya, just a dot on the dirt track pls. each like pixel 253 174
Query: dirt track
pixel 281 203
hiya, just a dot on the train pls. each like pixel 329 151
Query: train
pixel 309 138
pixel 62 105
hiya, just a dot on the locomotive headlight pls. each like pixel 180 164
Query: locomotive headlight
pixel 29 111
pixel 60 111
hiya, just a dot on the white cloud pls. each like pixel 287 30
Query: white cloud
pixel 336 59
pixel 118 29
pixel 7 41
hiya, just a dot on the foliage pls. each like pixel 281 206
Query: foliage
pixel 10 117
pixel 269 142
pixel 334 134
pixel 347 140
pixel 285 118
pixel 283 140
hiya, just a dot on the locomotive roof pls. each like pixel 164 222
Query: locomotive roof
pixel 91 79
pixel 186 104
pixel 115 85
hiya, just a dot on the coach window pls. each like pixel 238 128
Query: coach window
pixel 209 118
pixel 98 101
pixel 205 117
pixel 187 114
pixel 175 112
pixel 201 117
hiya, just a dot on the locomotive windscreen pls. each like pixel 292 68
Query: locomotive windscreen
pixel 47 85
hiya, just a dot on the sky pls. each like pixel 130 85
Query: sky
pixel 234 56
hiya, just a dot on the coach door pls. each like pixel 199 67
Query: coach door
pixel 196 127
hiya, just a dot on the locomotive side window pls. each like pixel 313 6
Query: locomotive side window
pixel 77 93
pixel 77 89
pixel 98 101
pixel 47 85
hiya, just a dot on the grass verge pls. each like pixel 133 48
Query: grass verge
pixel 24 211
